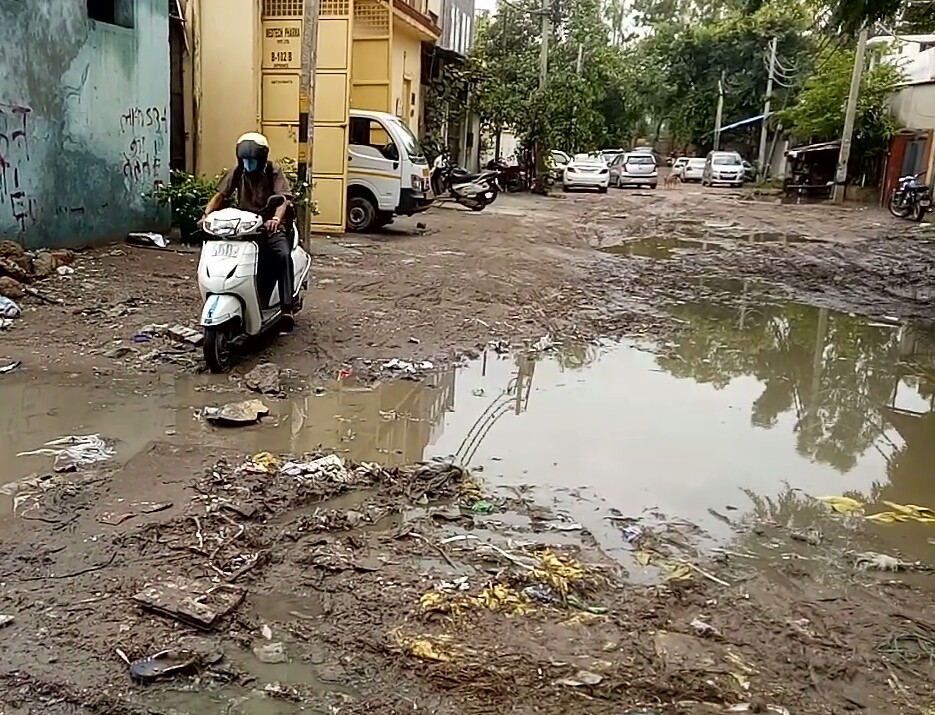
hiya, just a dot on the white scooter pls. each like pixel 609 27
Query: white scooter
pixel 230 284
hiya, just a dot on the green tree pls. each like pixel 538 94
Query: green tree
pixel 818 115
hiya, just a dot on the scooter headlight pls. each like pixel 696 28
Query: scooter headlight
pixel 222 227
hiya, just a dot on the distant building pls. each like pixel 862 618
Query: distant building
pixel 911 151
pixel 85 124
pixel 460 129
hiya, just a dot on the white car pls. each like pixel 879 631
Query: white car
pixel 692 170
pixel 586 171
pixel 723 167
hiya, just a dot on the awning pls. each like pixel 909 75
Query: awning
pixel 743 122
pixel 824 146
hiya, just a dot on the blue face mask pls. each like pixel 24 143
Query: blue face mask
pixel 250 165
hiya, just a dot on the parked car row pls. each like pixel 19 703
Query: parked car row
pixel 610 167
pixel 638 167
pixel 719 167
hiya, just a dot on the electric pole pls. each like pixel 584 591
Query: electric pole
pixel 761 157
pixel 307 108
pixel 850 116
pixel 580 66
pixel 544 50
pixel 720 112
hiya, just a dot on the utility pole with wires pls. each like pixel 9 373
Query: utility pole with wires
pixel 307 108
pixel 720 111
pixel 761 156
pixel 544 50
pixel 850 117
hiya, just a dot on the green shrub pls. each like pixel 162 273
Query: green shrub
pixel 187 195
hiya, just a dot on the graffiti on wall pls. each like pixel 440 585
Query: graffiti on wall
pixel 15 160
pixel 146 130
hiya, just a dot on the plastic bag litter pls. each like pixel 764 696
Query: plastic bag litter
pixel 408 367
pixel 842 505
pixel 8 309
pixel 328 466
pixel 75 450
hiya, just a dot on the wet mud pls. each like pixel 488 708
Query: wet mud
pixel 666 549
pixel 706 491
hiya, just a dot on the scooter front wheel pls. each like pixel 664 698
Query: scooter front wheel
pixel 219 347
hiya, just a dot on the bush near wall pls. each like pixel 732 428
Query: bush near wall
pixel 187 195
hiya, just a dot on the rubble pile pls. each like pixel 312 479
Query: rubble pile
pixel 19 267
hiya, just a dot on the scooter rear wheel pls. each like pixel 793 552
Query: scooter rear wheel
pixel 219 347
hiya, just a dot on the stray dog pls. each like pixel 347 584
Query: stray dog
pixel 672 180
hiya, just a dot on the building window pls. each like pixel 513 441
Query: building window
pixel 112 12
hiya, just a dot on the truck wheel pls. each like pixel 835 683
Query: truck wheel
pixel 361 214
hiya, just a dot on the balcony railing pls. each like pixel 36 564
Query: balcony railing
pixel 422 8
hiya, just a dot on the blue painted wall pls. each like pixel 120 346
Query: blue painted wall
pixel 84 121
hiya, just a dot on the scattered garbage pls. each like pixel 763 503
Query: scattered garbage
pixel 164 664
pixel 842 505
pixel 65 271
pixel 703 628
pixel 330 466
pixel 581 678
pixel 270 653
pixel 631 533
pixel 263 463
pixel 147 240
pixel 236 414
pixel 196 603
pixel 544 344
pixel 482 507
pixel 5 620
pixel 812 537
pixel 410 368
pixel 874 561
pixel 265 379
pixel 11 367
pixel 74 452
pixel 751 708
pixel 898 512
pixel 8 309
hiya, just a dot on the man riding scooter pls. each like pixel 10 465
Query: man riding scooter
pixel 262 188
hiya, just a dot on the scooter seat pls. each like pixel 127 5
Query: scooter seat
pixel 468 178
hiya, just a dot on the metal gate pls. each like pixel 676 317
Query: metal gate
pixel 282 64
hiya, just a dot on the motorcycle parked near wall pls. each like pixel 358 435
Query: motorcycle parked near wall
pixel 512 177
pixel 475 191
pixel 911 199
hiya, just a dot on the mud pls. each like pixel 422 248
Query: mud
pixel 616 524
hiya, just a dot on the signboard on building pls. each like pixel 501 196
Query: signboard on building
pixel 282 45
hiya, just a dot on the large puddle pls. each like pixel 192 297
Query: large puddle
pixel 742 408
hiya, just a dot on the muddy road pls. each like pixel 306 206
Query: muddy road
pixel 708 490
pixel 525 268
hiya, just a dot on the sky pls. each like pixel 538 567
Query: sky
pixel 484 4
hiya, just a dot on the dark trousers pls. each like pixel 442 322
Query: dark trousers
pixel 276 256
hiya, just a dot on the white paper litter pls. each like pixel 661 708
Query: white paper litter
pixel 329 466
pixel 409 367
pixel 81 450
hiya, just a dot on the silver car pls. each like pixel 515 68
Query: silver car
pixel 635 168
pixel 723 167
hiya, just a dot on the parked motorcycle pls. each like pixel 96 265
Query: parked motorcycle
pixel 911 198
pixel 512 177
pixel 241 298
pixel 475 191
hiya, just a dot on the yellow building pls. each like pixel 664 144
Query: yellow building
pixel 244 68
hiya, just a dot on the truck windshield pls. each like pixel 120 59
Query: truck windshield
pixel 411 144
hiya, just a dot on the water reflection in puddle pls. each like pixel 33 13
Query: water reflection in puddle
pixel 698 236
pixel 741 406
